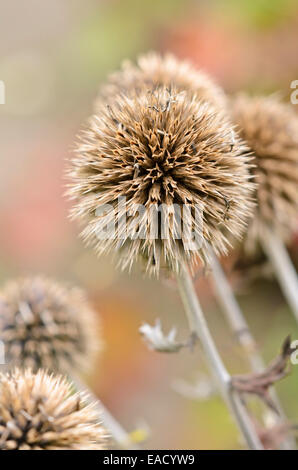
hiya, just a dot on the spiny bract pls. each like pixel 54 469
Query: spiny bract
pixel 44 324
pixel 153 70
pixel 160 148
pixel 39 412
pixel 270 129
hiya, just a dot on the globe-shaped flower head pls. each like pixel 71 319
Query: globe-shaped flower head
pixel 154 70
pixel 48 325
pixel 270 129
pixel 164 149
pixel 39 412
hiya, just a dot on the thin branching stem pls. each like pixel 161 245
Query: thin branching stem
pixel 233 314
pixel 242 332
pixel 199 326
pixel 283 267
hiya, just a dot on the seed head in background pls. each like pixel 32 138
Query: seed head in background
pixel 39 412
pixel 161 147
pixel 47 325
pixel 270 129
pixel 153 70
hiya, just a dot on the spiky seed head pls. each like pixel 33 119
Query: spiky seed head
pixel 161 148
pixel 270 129
pixel 40 412
pixel 153 70
pixel 47 325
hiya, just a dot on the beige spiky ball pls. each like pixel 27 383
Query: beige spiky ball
pixel 154 70
pixel 39 412
pixel 270 129
pixel 45 324
pixel 160 149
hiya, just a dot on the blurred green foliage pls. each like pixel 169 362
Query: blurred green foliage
pixel 261 13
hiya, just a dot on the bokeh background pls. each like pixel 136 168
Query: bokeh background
pixel 53 56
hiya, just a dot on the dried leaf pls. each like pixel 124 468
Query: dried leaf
pixel 259 383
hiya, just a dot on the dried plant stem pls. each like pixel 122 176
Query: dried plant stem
pixel 242 332
pixel 120 436
pixel 283 267
pixel 199 326
pixel 234 314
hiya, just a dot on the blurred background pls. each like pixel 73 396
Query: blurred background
pixel 53 56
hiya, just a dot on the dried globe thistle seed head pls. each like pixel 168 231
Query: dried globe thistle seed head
pixel 44 324
pixel 39 412
pixel 270 129
pixel 160 148
pixel 154 70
